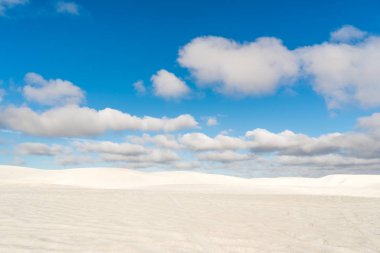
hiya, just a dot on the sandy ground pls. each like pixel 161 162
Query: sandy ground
pixel 111 210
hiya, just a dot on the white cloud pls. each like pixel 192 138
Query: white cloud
pixel 200 141
pixel 125 149
pixel 67 8
pixel 212 121
pixel 70 159
pixel 41 149
pixel 135 155
pixel 347 33
pixel 339 152
pixel 224 156
pixel 155 156
pixel 72 121
pixel 51 92
pixel 371 123
pixel 263 140
pixel 254 68
pixel 161 140
pixel 345 74
pixel 327 161
pixel 168 86
pixel 139 87
pixel 7 4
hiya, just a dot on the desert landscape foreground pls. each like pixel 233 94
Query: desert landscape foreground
pixel 119 210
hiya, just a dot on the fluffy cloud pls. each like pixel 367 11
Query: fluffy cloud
pixel 265 141
pixel 72 120
pixel 202 142
pixel 225 156
pixel 357 144
pixel 51 92
pixel 344 70
pixel 125 149
pixel 360 146
pixel 253 68
pixel 347 33
pixel 125 153
pixel 40 149
pixel 259 148
pixel 7 4
pixel 67 8
pixel 161 140
pixel 70 159
pixel 328 161
pixel 371 123
pixel 152 157
pixel 345 73
pixel 168 86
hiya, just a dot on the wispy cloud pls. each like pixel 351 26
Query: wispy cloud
pixel 71 8
pixel 8 4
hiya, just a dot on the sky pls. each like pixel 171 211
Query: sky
pixel 246 88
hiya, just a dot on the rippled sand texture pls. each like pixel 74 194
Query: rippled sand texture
pixel 50 218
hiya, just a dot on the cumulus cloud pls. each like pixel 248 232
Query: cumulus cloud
pixel 7 4
pixel 136 152
pixel 125 153
pixel 67 8
pixel 51 92
pixel 328 161
pixel 343 70
pixel 344 74
pixel 227 156
pixel 266 141
pixel 254 68
pixel 70 159
pixel 151 157
pixel 347 33
pixel 169 86
pixel 202 142
pixel 125 149
pixel 359 145
pixel 354 150
pixel 160 140
pixel 72 121
pixel 40 149
pixel 371 123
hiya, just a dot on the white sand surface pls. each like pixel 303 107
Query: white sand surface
pixel 119 210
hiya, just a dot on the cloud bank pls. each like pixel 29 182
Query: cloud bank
pixel 75 121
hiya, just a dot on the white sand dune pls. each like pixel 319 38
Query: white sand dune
pixel 114 178
pixel 119 210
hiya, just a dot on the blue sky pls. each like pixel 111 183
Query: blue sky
pixel 105 47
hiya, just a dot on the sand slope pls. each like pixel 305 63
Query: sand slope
pixel 116 210
pixel 114 178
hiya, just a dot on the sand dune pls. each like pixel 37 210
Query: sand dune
pixel 114 178
pixel 117 210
